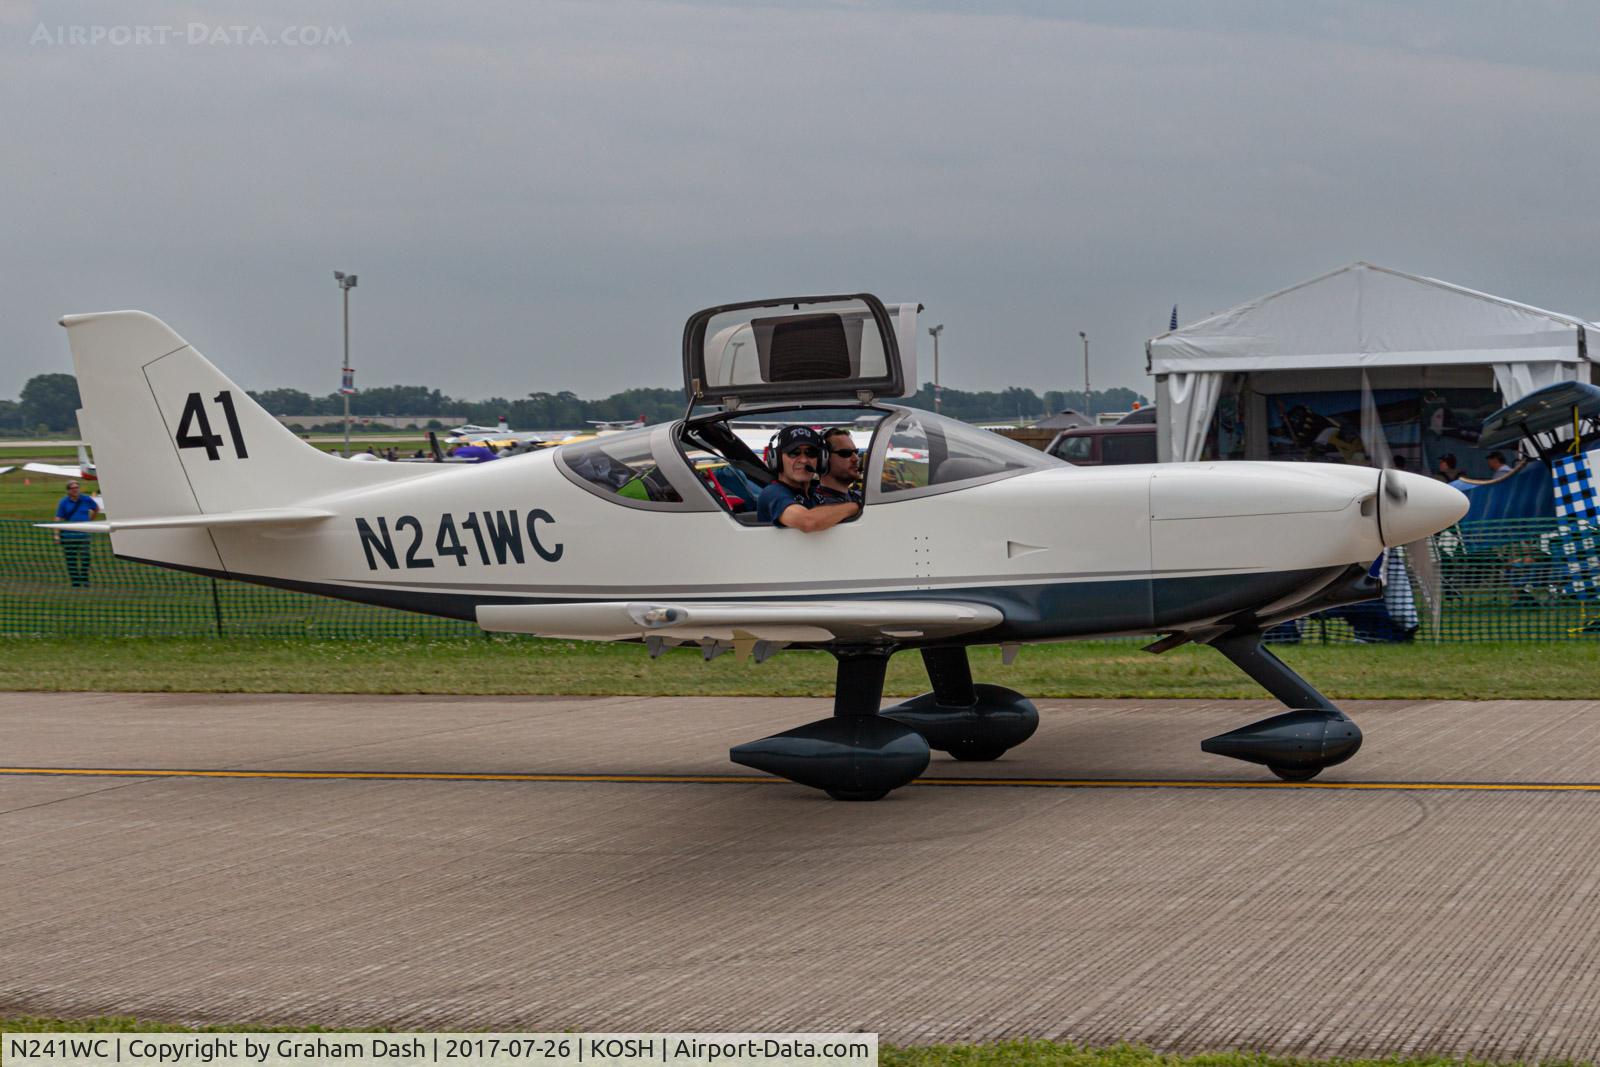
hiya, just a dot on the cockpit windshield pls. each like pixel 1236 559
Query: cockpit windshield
pixel 928 453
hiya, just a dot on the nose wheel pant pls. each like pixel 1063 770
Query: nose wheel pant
pixel 1297 744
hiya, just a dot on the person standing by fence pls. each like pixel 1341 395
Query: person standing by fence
pixel 75 507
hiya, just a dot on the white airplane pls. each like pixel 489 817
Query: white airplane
pixel 616 425
pixel 469 429
pixel 503 434
pixel 619 538
pixel 84 470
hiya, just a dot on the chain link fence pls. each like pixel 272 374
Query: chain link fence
pixel 123 599
pixel 1507 580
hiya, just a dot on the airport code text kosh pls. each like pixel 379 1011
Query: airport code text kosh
pixel 458 1050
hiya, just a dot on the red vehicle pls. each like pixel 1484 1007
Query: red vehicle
pixel 1094 446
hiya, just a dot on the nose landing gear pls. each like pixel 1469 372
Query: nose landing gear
pixel 1295 745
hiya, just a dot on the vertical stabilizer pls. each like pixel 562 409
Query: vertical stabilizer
pixel 173 436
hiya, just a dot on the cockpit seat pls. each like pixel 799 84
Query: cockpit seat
pixel 960 468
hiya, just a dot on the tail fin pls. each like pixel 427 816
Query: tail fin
pixel 173 436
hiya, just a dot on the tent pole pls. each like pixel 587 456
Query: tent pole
pixel 1163 421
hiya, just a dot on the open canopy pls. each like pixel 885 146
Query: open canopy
pixel 800 348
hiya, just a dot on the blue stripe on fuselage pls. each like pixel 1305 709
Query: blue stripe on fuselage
pixel 1032 612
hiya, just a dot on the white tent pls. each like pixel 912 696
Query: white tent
pixel 1362 318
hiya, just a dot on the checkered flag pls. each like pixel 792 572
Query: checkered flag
pixel 1577 541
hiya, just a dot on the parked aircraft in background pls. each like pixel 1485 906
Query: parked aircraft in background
pixel 616 425
pixel 84 470
pixel 503 435
pixel 967 538
pixel 505 441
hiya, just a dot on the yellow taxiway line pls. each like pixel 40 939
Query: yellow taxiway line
pixel 733 779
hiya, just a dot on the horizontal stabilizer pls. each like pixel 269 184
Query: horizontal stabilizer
pixel 764 620
pixel 251 517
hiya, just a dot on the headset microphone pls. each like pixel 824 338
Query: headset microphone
pixel 786 440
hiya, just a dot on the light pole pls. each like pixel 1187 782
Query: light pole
pixel 346 283
pixel 934 332
pixel 1088 404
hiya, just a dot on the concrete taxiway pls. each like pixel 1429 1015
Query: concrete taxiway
pixel 485 879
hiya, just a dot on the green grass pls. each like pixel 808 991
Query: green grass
pixel 35 501
pixel 511 665
pixel 49 453
pixel 1019 1053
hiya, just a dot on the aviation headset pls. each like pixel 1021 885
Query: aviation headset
pixel 790 436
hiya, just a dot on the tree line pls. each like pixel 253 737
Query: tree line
pixel 49 403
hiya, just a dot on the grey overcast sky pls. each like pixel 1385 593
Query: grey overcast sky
pixel 536 195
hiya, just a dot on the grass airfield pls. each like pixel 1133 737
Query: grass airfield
pixel 514 666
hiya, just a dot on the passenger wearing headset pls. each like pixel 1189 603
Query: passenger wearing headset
pixel 798 457
pixel 843 469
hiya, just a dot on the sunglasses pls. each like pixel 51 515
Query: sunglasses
pixel 804 453
pixel 846 453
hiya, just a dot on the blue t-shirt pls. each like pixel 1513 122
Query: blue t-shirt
pixel 775 500
pixel 80 510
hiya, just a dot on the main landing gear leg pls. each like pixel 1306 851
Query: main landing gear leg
pixel 1297 744
pixel 855 755
pixel 969 721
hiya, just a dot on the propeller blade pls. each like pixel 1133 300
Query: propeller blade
pixel 1421 561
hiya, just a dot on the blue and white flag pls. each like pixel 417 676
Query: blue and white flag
pixel 1577 541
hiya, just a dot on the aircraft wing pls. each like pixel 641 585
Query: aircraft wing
pixel 4 470
pixel 249 517
pixel 59 470
pixel 775 621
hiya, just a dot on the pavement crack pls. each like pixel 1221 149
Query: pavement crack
pixel 75 796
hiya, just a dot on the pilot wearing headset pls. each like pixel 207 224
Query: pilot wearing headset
pixel 842 470
pixel 798 457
